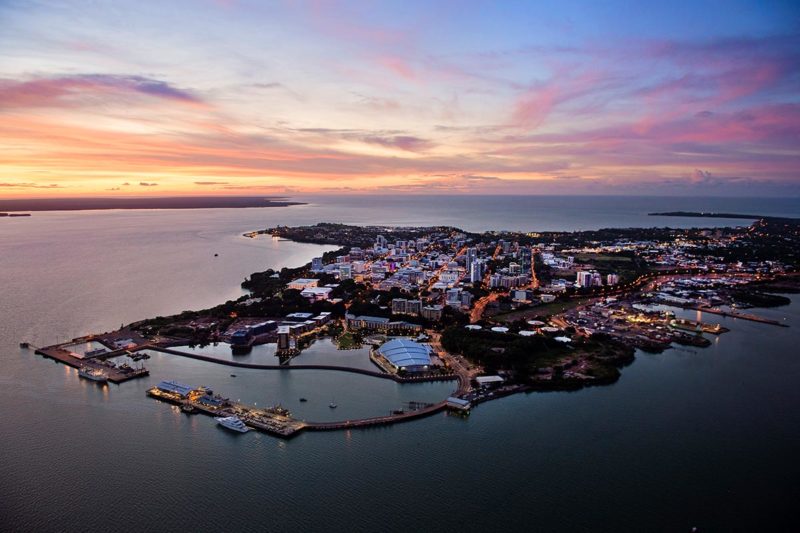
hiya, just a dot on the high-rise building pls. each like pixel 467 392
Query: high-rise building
pixel 380 241
pixel 471 256
pixel 584 278
pixel 612 279
pixel 345 271
pixel 316 264
pixel 476 271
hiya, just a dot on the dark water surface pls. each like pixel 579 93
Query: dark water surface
pixel 705 438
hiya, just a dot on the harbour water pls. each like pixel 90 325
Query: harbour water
pixel 686 438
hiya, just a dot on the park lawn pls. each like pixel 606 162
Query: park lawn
pixel 539 311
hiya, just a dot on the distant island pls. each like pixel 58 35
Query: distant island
pixel 15 214
pixel 186 202
pixel 717 215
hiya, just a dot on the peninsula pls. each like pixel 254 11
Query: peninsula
pixel 702 214
pixel 497 312
pixel 177 202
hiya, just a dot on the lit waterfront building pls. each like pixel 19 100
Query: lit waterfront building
pixel 345 271
pixel 316 264
pixel 612 279
pixel 284 337
pixel 303 283
pixel 406 355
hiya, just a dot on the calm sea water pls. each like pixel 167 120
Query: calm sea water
pixel 704 438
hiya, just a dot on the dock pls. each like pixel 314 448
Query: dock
pixel 733 314
pixel 115 374
pixel 275 421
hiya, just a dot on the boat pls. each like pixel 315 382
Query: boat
pixel 233 423
pixel 23 345
pixel 303 400
pixel 95 374
pixel 333 405
pixel 233 375
pixel 187 408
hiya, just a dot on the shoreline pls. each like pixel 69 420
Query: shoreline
pixel 163 202
pixel 585 363
pixel 703 214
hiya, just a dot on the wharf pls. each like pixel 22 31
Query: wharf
pixel 115 374
pixel 260 419
pixel 733 314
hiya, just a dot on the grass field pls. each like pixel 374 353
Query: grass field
pixel 348 341
pixel 540 310
pixel 601 258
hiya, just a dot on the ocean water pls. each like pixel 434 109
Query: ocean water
pixel 686 438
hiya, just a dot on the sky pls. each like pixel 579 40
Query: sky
pixel 240 97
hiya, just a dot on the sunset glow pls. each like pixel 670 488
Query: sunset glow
pixel 239 97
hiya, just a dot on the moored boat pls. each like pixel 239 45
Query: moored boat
pixel 95 374
pixel 233 423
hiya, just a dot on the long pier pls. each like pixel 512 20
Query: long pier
pixel 732 314
pixel 376 421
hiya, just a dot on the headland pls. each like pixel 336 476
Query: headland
pixel 496 312
pixel 176 202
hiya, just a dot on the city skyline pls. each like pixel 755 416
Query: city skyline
pixel 241 98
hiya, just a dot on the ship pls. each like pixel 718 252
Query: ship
pixel 95 374
pixel 233 423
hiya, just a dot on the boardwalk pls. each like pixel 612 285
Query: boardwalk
pixel 376 421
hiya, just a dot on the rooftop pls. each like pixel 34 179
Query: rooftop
pixel 404 353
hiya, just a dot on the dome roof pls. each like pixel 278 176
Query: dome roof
pixel 403 353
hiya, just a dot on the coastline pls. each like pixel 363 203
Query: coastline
pixel 185 202
pixel 585 363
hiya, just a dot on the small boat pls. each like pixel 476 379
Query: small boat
pixel 233 423
pixel 303 400
pixel 216 255
pixel 24 345
pixel 233 375
pixel 187 408
pixel 95 374
pixel 333 405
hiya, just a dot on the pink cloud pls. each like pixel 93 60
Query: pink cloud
pixel 398 66
pixel 69 91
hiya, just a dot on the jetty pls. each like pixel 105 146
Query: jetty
pixel 733 314
pixel 116 374
pixel 273 420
